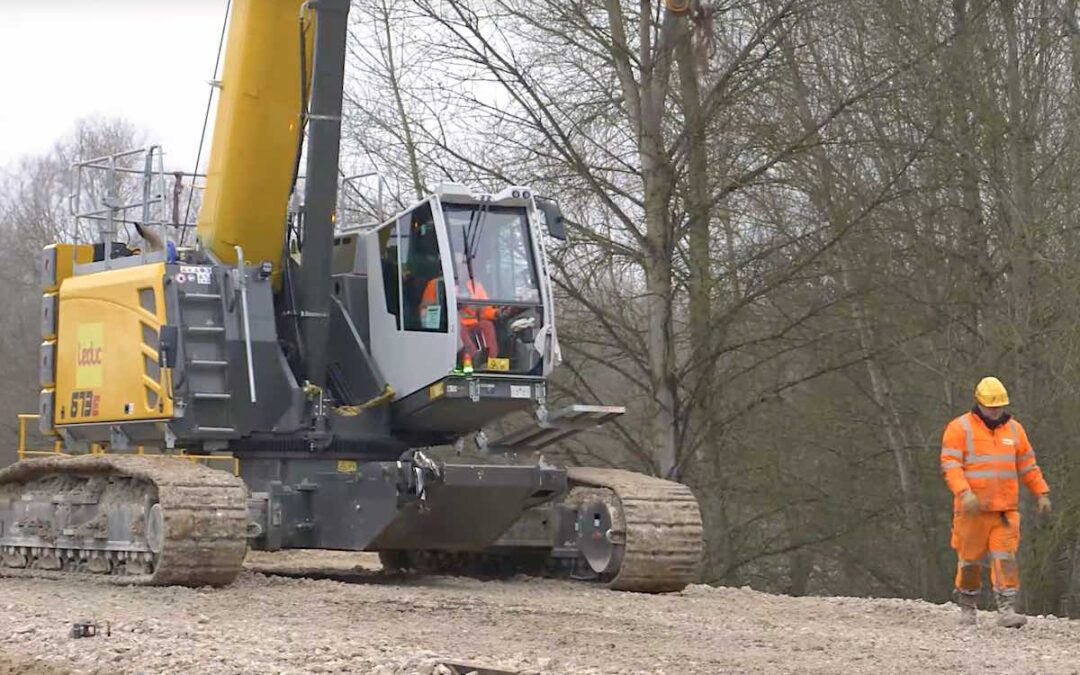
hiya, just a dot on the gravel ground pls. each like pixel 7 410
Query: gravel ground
pixel 266 623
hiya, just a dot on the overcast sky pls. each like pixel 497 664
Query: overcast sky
pixel 146 60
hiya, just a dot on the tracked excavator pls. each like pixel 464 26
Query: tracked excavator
pixel 328 361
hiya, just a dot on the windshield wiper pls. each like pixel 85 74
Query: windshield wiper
pixel 471 235
pixel 476 226
pixel 468 253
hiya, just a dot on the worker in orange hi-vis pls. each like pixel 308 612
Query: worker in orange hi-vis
pixel 985 454
pixel 477 321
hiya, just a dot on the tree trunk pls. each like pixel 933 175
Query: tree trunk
pixel 972 226
pixel 698 213
pixel 1019 210
pixel 644 102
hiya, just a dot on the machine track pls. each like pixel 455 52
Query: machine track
pixel 124 519
pixel 629 531
pixel 655 527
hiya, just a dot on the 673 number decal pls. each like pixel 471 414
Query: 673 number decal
pixel 84 403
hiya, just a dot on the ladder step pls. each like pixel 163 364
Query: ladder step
pixel 211 396
pixel 205 329
pixel 201 296
pixel 204 363
pixel 215 430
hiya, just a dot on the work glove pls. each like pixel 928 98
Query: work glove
pixel 969 502
pixel 1044 505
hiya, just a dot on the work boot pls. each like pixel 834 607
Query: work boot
pixel 1007 616
pixel 967 609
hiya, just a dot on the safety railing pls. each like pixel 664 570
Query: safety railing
pixel 97 449
pixel 114 190
pixel 24 451
pixel 358 209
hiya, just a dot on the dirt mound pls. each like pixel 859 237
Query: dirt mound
pixel 267 623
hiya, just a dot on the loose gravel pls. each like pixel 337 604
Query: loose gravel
pixel 381 625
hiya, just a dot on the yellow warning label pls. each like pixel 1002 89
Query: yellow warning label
pixel 90 346
pixel 347 466
pixel 501 365
pixel 436 390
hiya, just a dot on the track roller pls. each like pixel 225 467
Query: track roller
pixel 122 518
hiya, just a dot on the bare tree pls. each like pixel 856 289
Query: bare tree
pixel 801 231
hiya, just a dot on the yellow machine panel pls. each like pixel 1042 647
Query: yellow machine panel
pixel 58 262
pixel 107 348
pixel 256 133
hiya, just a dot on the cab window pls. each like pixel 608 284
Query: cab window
pixel 423 289
pixel 492 254
pixel 390 265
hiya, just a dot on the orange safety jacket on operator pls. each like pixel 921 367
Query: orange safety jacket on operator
pixel 989 462
pixel 467 313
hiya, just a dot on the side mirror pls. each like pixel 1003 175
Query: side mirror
pixel 556 224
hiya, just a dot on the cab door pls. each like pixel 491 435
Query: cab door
pixel 412 300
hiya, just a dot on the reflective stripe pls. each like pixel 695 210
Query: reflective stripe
pixel 953 452
pixel 1030 454
pixel 990 474
pixel 951 464
pixel 971 459
pixel 972 563
pixel 983 459
pixel 1028 468
pixel 970 438
pixel 1015 435
pixel 1002 555
pixel 1006 591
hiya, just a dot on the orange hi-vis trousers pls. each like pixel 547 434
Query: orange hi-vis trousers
pixel 993 534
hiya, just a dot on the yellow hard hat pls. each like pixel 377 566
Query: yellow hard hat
pixel 991 393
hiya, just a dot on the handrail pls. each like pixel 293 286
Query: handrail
pixel 242 282
pixel 22 451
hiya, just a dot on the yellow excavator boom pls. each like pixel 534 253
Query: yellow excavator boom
pixel 256 133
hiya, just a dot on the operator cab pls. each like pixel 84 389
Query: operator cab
pixel 458 296
pixel 497 293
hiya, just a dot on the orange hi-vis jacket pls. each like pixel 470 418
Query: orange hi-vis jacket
pixel 989 462
pixel 467 313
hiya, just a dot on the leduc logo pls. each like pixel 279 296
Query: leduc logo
pixel 90 355
pixel 90 346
